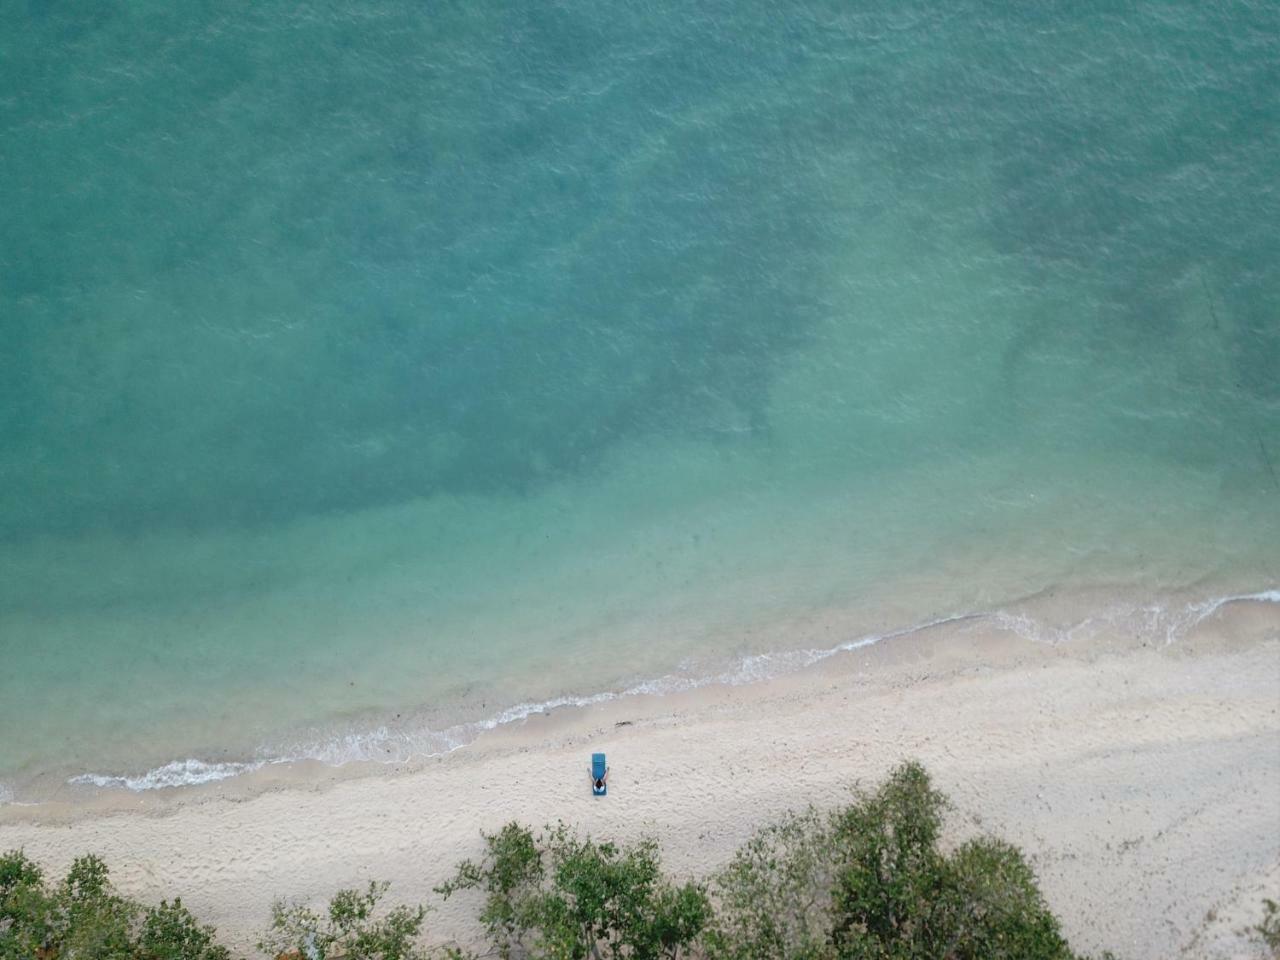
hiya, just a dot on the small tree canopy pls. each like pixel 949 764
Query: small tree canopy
pixel 351 929
pixel 870 882
pixel 774 898
pixel 170 932
pixel 562 897
pixel 81 917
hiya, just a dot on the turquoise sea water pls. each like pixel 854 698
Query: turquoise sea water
pixel 370 371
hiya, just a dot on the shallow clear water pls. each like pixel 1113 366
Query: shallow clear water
pixel 399 366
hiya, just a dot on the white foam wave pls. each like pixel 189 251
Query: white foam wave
pixel 6 794
pixel 385 744
pixel 1151 622
pixel 1197 613
pixel 523 711
pixel 177 773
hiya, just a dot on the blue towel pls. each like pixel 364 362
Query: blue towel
pixel 598 769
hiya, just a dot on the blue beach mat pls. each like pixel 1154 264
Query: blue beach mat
pixel 598 770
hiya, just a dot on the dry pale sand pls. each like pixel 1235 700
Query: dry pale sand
pixel 1144 781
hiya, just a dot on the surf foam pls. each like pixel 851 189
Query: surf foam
pixel 384 744
pixel 176 773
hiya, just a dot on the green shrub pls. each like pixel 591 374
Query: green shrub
pixel 84 918
pixel 887 868
pixel 26 908
pixel 870 882
pixel 562 897
pixel 16 871
pixel 774 898
pixel 351 929
pixel 897 895
pixel 170 932
pixel 989 907
pixel 81 917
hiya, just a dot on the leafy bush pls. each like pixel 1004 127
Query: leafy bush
pixel 562 897
pixel 888 868
pixel 869 882
pixel 990 907
pixel 83 918
pixel 349 929
pixel 16 871
pixel 774 897
pixel 170 932
pixel 80 917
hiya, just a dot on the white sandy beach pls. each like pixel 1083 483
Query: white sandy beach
pixel 1144 781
